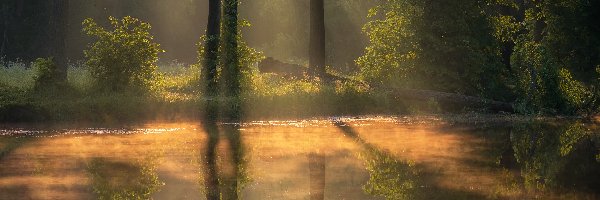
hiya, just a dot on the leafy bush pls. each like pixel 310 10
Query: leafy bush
pixel 47 75
pixel 123 57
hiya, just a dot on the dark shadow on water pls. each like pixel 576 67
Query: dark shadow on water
pixel 11 143
pixel 316 166
pixel 393 178
pixel 226 179
pixel 211 179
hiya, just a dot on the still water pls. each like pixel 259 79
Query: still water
pixel 336 158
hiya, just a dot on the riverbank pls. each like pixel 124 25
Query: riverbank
pixel 174 95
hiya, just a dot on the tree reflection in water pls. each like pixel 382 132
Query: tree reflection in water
pixel 549 158
pixel 225 173
pixel 389 177
pixel 557 157
pixel 123 180
pixel 316 167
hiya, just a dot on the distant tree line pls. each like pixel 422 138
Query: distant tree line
pixel 32 29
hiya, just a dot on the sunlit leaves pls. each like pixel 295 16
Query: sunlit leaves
pixel 134 181
pixel 390 178
pixel 544 152
pixel 122 57
pixel 429 45
pixel 574 92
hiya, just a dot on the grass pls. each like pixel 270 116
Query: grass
pixel 175 94
pixel 16 75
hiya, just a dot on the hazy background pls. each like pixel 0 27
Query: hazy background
pixel 279 27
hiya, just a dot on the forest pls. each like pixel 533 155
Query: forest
pixel 299 99
pixel 70 60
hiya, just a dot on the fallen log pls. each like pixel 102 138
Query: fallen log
pixel 452 98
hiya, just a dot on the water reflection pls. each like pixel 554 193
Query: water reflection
pixel 123 179
pixel 316 168
pixel 389 177
pixel 314 159
pixel 225 179
pixel 395 178
pixel 556 157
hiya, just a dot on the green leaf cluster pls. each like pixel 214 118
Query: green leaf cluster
pixel 444 46
pixel 124 56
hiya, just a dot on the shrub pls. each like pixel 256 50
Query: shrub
pixel 124 57
pixel 47 75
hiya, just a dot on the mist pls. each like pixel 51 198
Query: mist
pixel 279 28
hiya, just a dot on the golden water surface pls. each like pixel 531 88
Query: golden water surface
pixel 337 158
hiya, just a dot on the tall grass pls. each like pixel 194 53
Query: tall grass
pixel 16 74
pixel 175 93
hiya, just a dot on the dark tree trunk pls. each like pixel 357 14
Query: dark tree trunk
pixel 211 48
pixel 231 63
pixel 211 177
pixel 507 51
pixel 4 29
pixel 317 38
pixel 59 24
pixel 231 71
pixel 233 176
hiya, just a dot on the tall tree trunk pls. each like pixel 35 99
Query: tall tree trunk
pixel 231 66
pixel 231 71
pixel 211 48
pixel 4 29
pixel 59 24
pixel 317 38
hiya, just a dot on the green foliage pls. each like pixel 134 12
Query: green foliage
pixel 79 78
pixel 248 57
pixel 389 57
pixel 429 45
pixel 576 95
pixel 124 56
pixel 553 156
pixel 16 74
pixel 389 177
pixel 554 57
pixel 134 181
pixel 47 75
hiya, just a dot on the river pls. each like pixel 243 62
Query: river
pixel 330 158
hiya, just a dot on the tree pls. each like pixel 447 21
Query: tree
pixel 123 57
pixel 211 47
pixel 435 45
pixel 59 23
pixel 317 38
pixel 231 71
pixel 551 51
pixel 4 23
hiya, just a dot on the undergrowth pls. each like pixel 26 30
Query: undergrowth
pixel 174 94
